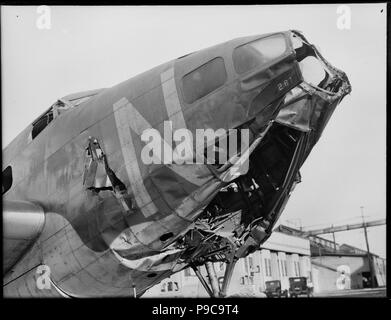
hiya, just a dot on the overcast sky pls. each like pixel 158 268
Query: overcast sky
pixel 94 47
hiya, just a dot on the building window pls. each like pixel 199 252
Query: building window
pixel 187 272
pixel 297 268
pixel 251 263
pixel 286 268
pixel 203 80
pixel 268 267
pixel 163 289
pixel 169 286
pixel 245 265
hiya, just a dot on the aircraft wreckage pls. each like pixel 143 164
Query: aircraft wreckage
pixel 85 216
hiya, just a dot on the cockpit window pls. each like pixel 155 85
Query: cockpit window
pixel 203 80
pixel 41 123
pixel 55 110
pixel 259 52
pixel 58 108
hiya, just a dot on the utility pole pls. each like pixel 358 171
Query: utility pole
pixel 335 245
pixel 368 252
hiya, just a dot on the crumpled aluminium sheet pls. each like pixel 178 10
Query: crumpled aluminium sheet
pixel 306 108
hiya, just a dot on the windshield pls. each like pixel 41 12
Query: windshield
pixel 259 52
pixel 272 284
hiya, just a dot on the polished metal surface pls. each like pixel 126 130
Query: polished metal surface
pixel 22 220
pixel 22 223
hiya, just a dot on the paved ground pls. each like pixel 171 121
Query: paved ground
pixel 359 293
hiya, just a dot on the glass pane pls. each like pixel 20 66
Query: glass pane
pixel 259 52
pixel 204 80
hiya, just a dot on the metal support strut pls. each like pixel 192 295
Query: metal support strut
pixel 228 275
pixel 214 282
pixel 213 289
pixel 202 280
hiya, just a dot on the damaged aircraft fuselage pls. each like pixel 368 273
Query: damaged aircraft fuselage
pixel 79 199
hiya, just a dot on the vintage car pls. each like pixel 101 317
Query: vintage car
pixel 298 286
pixel 273 289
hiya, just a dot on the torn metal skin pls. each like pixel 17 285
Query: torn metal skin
pixel 115 225
pixel 306 109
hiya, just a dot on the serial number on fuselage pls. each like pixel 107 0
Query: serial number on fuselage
pixel 285 83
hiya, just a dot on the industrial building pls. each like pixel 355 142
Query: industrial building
pixel 280 257
pixel 348 267
pixel 327 265
pixel 341 266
